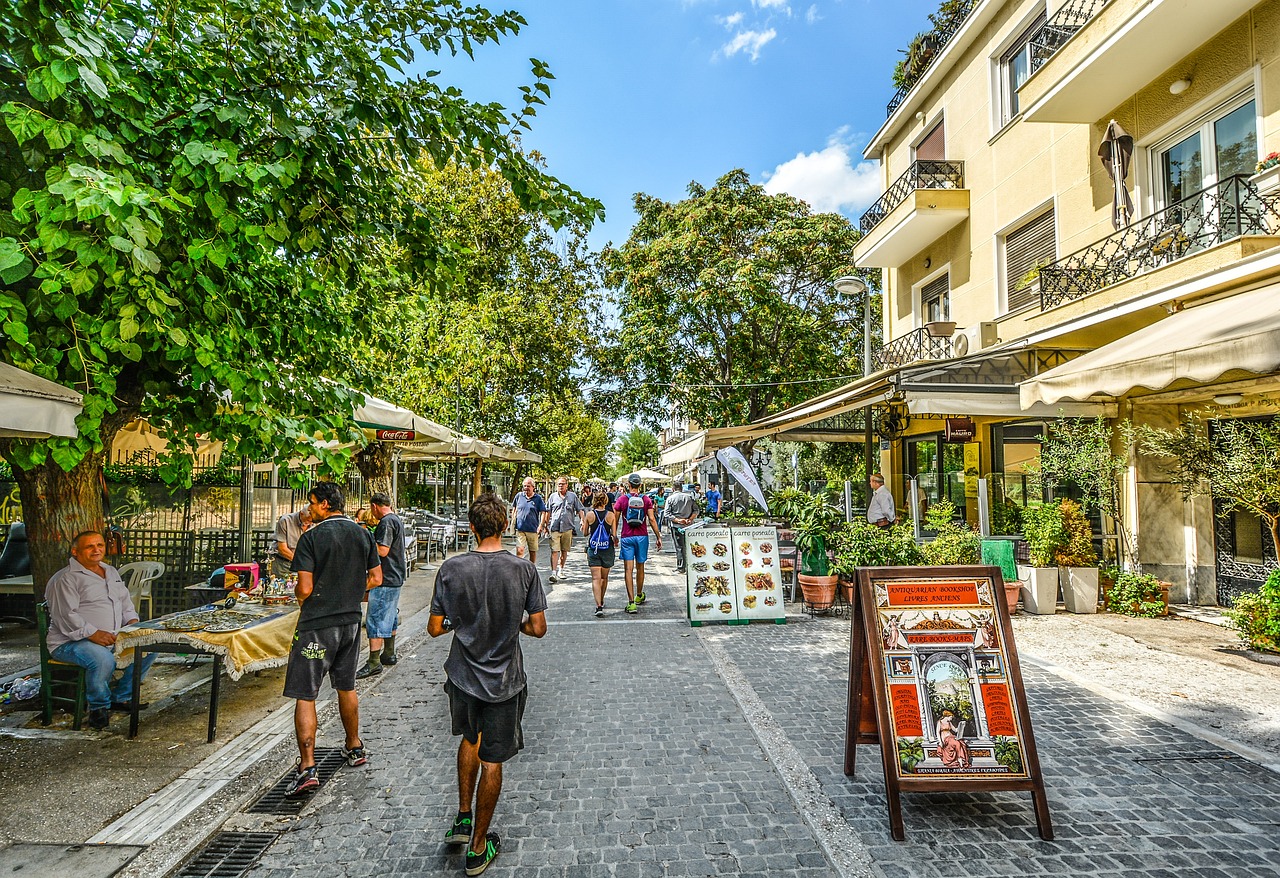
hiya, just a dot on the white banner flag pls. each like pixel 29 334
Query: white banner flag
pixel 736 465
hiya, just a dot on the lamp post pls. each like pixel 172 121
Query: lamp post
pixel 852 285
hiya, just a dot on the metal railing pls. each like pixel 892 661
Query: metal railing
pixel 939 36
pixel 913 347
pixel 921 175
pixel 1055 32
pixel 1227 210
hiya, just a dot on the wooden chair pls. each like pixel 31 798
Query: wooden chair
pixel 60 682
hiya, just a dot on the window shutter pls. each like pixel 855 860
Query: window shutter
pixel 938 288
pixel 1026 248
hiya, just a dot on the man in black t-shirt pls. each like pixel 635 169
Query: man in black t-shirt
pixel 337 563
pixel 383 617
pixel 483 597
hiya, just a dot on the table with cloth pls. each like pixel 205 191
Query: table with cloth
pixel 262 643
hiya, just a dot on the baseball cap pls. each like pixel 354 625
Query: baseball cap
pixel 634 479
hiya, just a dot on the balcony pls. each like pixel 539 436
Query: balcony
pixel 1228 210
pixel 1094 54
pixel 923 52
pixel 916 346
pixel 921 206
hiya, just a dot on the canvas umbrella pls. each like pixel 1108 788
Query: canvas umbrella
pixel 33 408
pixel 652 475
pixel 1116 152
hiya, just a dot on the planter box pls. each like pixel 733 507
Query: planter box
pixel 1039 589
pixel 1079 588
pixel 1268 181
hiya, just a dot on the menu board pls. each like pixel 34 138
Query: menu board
pixel 734 574
pixel 758 573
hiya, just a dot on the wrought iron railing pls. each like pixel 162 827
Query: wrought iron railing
pixel 1217 214
pixel 913 347
pixel 939 37
pixel 921 175
pixel 1055 32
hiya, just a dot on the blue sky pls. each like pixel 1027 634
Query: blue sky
pixel 651 94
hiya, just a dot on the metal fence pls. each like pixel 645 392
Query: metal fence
pixel 913 347
pixel 1064 24
pixel 923 174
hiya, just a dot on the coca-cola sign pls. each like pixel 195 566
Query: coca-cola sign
pixel 396 435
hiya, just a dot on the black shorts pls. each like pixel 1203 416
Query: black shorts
pixel 333 651
pixel 601 559
pixel 496 725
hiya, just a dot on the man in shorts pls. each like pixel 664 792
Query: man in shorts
pixel 713 499
pixel 483 597
pixel 635 517
pixel 382 620
pixel 337 563
pixel 529 507
pixel 563 509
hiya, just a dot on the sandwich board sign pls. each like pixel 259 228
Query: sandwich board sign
pixel 934 680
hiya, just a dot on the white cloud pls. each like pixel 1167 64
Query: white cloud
pixel 812 16
pixel 780 5
pixel 828 179
pixel 732 21
pixel 749 41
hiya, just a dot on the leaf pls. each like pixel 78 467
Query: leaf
pixel 124 245
pixel 217 204
pixel 64 69
pixel 10 253
pixel 147 259
pixel 16 331
pixel 24 122
pixel 128 328
pixel 93 81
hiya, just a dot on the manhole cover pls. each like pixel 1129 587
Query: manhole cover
pixel 228 855
pixel 328 760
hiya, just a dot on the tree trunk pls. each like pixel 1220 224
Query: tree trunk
pixel 477 477
pixel 56 506
pixel 374 462
pixel 1274 522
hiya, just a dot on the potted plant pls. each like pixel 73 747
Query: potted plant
pixel 859 544
pixel 1267 177
pixel 813 522
pixel 1076 560
pixel 1137 594
pixel 1257 617
pixel 955 543
pixel 1042 529
pixel 940 328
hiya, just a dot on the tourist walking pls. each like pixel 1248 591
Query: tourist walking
pixel 382 620
pixel 564 511
pixel 529 507
pixel 713 498
pixel 482 596
pixel 598 527
pixel 337 563
pixel 634 518
pixel 681 512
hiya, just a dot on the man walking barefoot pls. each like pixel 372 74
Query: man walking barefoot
pixel 635 517
pixel 483 597
pixel 337 563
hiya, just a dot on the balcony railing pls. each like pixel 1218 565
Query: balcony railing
pixel 921 175
pixel 1055 32
pixel 1213 216
pixel 913 347
pixel 933 43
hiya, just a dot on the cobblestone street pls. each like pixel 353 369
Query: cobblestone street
pixel 656 749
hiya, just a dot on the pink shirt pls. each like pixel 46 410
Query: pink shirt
pixel 620 507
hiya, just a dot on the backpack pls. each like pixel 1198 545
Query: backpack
pixel 635 510
pixel 601 539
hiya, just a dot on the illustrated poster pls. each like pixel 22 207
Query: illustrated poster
pixel 757 570
pixel 709 562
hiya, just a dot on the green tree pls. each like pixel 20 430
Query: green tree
pixel 727 302
pixel 636 450
pixel 187 194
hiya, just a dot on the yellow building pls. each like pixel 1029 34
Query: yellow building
pixel 1016 285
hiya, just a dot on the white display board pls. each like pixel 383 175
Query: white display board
pixel 733 574
pixel 758 570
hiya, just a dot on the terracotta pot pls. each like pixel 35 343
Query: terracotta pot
pixel 1164 595
pixel 847 587
pixel 819 591
pixel 1012 591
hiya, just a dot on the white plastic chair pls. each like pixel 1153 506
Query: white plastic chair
pixel 138 577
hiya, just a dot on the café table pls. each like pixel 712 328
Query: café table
pixel 262 643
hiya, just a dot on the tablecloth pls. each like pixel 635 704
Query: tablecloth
pixel 263 643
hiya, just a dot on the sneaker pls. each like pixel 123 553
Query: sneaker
pixel 356 756
pixel 477 863
pixel 562 573
pixel 600 611
pixel 460 831
pixel 304 780
pixel 553 577
pixel 641 598
pixel 632 608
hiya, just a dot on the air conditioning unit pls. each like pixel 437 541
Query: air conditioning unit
pixel 973 339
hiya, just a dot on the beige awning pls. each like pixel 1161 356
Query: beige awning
pixel 34 408
pixel 1240 334
pixel 858 394
pixel 698 445
pixel 1000 405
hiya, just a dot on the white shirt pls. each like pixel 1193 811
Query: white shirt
pixel 82 602
pixel 881 506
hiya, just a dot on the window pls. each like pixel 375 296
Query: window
pixel 1015 67
pixel 934 146
pixel 935 299
pixel 1027 249
pixel 1218 146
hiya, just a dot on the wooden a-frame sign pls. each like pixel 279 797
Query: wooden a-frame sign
pixel 934 680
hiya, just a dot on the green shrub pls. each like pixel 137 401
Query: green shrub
pixel 1136 594
pixel 1257 616
pixel 956 542
pixel 1044 533
pixel 1078 535
pixel 859 544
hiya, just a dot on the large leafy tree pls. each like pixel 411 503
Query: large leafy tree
pixel 188 192
pixel 636 450
pixel 727 304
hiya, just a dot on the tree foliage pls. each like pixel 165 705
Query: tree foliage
pixel 731 287
pixel 636 451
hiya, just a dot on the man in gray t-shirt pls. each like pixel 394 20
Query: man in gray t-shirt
pixel 483 597
pixel 382 618
pixel 681 511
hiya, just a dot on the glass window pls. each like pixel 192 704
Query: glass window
pixel 1220 145
pixel 935 299
pixel 1015 67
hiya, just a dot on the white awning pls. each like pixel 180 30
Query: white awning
pixel 687 449
pixel 378 414
pixel 34 408
pixel 998 405
pixel 1198 345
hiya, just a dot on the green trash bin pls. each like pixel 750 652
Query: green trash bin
pixel 999 553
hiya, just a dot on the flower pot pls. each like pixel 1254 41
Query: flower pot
pixel 819 591
pixel 1012 591
pixel 847 586
pixel 1164 596
pixel 940 328
pixel 1267 181
pixel 1079 588
pixel 1039 589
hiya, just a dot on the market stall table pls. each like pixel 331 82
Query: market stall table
pixel 262 643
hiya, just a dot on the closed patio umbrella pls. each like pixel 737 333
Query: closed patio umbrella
pixel 1116 152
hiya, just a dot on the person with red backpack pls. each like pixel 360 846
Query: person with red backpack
pixel 634 518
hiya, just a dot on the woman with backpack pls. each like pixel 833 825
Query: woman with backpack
pixel 597 524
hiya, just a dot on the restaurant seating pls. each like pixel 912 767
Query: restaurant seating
pixel 60 682
pixel 138 577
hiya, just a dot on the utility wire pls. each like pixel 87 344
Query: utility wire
pixel 744 383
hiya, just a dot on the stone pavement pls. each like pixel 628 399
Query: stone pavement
pixel 654 749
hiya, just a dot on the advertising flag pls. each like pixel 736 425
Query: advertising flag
pixel 736 465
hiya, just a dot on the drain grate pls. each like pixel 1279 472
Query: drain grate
pixel 228 855
pixel 273 801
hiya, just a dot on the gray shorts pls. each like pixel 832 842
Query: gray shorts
pixel 333 651
pixel 496 726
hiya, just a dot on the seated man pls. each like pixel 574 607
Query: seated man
pixel 88 604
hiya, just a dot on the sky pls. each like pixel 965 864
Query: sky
pixel 650 95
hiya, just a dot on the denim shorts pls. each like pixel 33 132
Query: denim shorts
pixel 635 549
pixel 383 617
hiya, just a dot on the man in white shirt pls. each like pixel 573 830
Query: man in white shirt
pixel 563 509
pixel 881 511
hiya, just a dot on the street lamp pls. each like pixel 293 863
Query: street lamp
pixel 852 285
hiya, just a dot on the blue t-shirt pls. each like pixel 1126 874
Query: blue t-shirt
pixel 529 512
pixel 713 502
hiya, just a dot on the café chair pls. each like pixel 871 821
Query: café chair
pixel 138 577
pixel 61 683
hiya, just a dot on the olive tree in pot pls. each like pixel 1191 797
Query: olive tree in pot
pixel 1076 560
pixel 1043 531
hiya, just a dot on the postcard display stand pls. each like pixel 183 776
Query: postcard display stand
pixel 934 680
pixel 734 575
